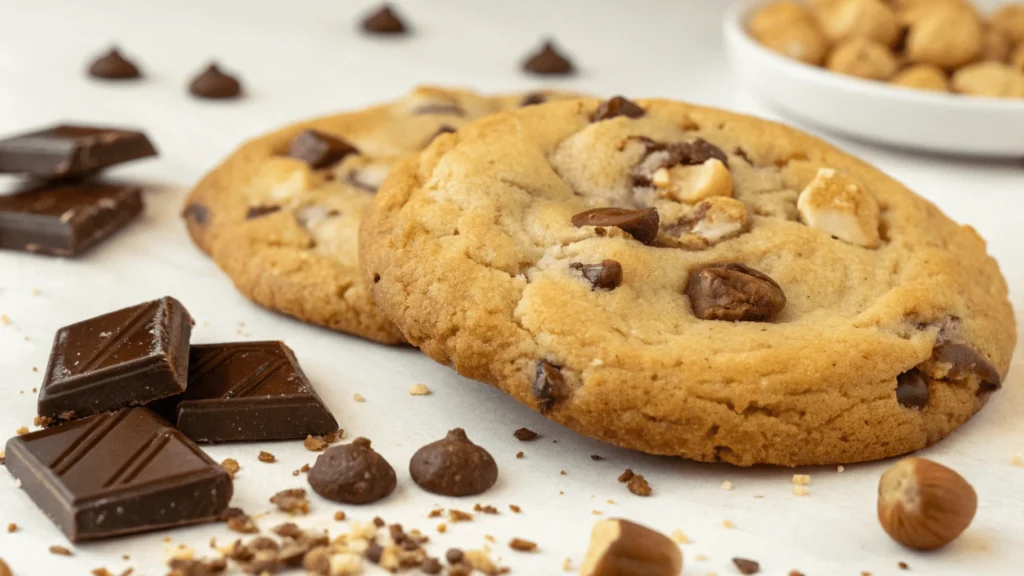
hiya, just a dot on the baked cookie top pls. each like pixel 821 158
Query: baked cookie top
pixel 281 215
pixel 683 280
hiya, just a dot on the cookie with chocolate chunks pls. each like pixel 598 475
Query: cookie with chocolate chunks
pixel 622 267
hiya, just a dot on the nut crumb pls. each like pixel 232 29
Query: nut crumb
pixel 60 551
pixel 1017 461
pixel 728 524
pixel 904 566
pixel 679 538
pixel 519 455
pixel 727 486
pixel 442 528
pixel 292 501
pixel 801 490
pixel 567 565
pixel 314 443
pixel 12 528
pixel 700 557
pixel 435 512
pixel 746 566
pixel 4 319
pixel 840 468
pixel 596 512
pixel 626 476
pixel 489 538
pixel 525 435
pixel 485 509
pixel 419 390
pixel 638 485
pixel 22 431
pixel 339 516
pixel 562 472
pixel 801 479
pixel 596 457
pixel 459 516
pixel 358 397
pixel 520 545
pixel 515 508
pixel 795 573
pixel 266 457
pixel 230 465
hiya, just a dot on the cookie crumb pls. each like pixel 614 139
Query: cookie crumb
pixel 239 521
pixel 567 565
pixel 230 465
pixel 801 490
pixel 801 479
pixel 378 522
pixel 746 566
pixel 562 472
pixel 60 551
pixel 442 528
pixel 700 557
pixel 610 501
pixel 459 516
pixel 596 512
pixel 314 443
pixel 727 486
pixel 515 508
pixel 489 538
pixel 12 528
pixel 519 455
pixel 759 496
pixel 419 390
pixel 22 431
pixel 358 397
pixel 1017 461
pixel 339 516
pixel 435 512
pixel 596 458
pixel 728 524
pixel 525 435
pixel 520 545
pixel 4 319
pixel 485 509
pixel 638 485
pixel 267 457
pixel 840 468
pixel 679 538
pixel 904 566
pixel 626 476
pixel 795 573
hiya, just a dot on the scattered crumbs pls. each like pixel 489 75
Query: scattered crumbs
pixel 802 479
pixel 758 496
pixel 358 397
pixel 638 485
pixel 596 512
pixel 1017 461
pixel 22 430
pixel 903 566
pixel 728 524
pixel 519 455
pixel 515 508
pixel 42 421
pixel 459 516
pixel 840 468
pixel 746 566
pixel 101 572
pixel 489 538
pixel 610 501
pixel 230 465
pixel 339 516
pixel 60 551
pixel 292 501
pixel 267 457
pixel 726 485
pixel 35 369
pixel 315 443
pixel 525 435
pixel 419 390
pixel 12 528
pixel 562 472
pixel 679 538
pixel 567 565
pixel 435 512
pixel 4 319
pixel 27 338
pixel 485 509
pixel 801 490
pixel 596 458
pixel 626 476
pixel 442 528
pixel 34 390
pixel 700 557
pixel 520 545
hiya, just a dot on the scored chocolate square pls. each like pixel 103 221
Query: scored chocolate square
pixel 65 220
pixel 125 358
pixel 247 391
pixel 118 473
pixel 68 151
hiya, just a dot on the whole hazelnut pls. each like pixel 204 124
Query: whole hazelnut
pixel 924 505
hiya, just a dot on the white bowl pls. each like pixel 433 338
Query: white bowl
pixel 868 110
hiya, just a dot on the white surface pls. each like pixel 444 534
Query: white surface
pixel 302 58
pixel 869 110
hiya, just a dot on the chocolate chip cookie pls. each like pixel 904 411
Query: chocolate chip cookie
pixel 280 216
pixel 687 281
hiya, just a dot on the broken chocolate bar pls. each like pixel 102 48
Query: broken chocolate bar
pixel 68 151
pixel 118 473
pixel 125 358
pixel 250 391
pixel 65 220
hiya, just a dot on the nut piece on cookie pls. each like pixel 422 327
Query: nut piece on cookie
pixel 712 221
pixel 691 184
pixel 863 58
pixel 1010 19
pixel 837 205
pixel 788 28
pixel 284 178
pixel 734 292
pixel 871 19
pixel 993 79
pixel 948 37
pixel 922 77
pixel 622 548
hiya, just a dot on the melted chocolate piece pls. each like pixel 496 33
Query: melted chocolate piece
pixel 641 224
pixel 548 385
pixel 384 21
pixel 912 389
pixel 320 150
pixel 617 106
pixel 734 292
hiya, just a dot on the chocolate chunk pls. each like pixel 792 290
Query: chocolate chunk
pixel 659 155
pixel 213 84
pixel 453 466
pixel 320 150
pixel 617 106
pixel 548 385
pixel 525 435
pixel 65 220
pixel 71 151
pixel 604 276
pixel 966 361
pixel 641 224
pixel 354 474
pixel 548 62
pixel 196 213
pixel 533 99
pixel 125 358
pixel 384 21
pixel 261 211
pixel 247 391
pixel 912 389
pixel 734 292
pixel 118 473
pixel 746 566
pixel 113 66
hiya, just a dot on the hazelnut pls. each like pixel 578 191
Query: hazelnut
pixel 788 27
pixel 622 548
pixel 863 58
pixel 836 204
pixel 993 79
pixel 924 505
pixel 922 77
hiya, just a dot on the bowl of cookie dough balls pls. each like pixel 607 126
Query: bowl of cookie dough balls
pixel 943 76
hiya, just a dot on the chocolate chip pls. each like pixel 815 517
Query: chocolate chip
pixel 746 566
pixel 967 361
pixel 604 276
pixel 320 150
pixel 213 84
pixel 261 211
pixel 196 213
pixel 548 62
pixel 454 555
pixel 525 435
pixel 912 389
pixel 113 66
pixel 617 106
pixel 352 473
pixel 374 552
pixel 384 21
pixel 641 224
pixel 532 99
pixel 733 292
pixel 548 385
pixel 453 466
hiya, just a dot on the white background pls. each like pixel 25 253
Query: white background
pixel 303 58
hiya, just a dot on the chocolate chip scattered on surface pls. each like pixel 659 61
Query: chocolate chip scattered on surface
pixel 453 466
pixel 113 66
pixel 384 21
pixel 548 61
pixel 352 473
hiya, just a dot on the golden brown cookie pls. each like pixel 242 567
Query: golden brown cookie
pixel 281 215
pixel 568 255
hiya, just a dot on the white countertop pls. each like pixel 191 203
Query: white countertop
pixel 303 58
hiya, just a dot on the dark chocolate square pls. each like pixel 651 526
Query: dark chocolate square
pixel 68 151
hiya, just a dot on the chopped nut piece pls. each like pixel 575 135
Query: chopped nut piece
pixel 22 431
pixel 378 522
pixel 693 183
pixel 746 566
pixel 728 524
pixel 358 398
pixel 795 573
pixel 419 390
pixel 520 545
pixel 837 205
pixel 799 490
pixel 266 457
pixel 638 485
pixel 727 485
pixel 626 476
pixel 802 479
pixel 315 443
pixel 339 516
pixel 442 528
pixel 679 538
pixel 525 435
pixel 60 551
pixel 515 508
pixel 242 524
pixel 292 501
pixel 562 472
pixel 519 455
pixel 485 509
pixel 12 528
pixel 480 560
pixel 903 566
pixel 712 221
pixel 459 516
pixel 230 465
pixel 435 512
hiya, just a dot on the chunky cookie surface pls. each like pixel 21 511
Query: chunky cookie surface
pixel 686 281
pixel 281 215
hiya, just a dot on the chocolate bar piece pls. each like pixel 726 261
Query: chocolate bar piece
pixel 118 473
pixel 125 358
pixel 247 391
pixel 68 151
pixel 64 220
